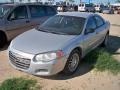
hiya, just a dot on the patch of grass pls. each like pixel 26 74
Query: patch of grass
pixel 101 60
pixel 19 84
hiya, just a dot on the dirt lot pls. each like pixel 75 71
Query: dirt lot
pixel 84 78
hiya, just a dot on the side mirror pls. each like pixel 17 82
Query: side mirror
pixel 11 19
pixel 91 30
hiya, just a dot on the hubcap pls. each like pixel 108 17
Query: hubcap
pixel 73 62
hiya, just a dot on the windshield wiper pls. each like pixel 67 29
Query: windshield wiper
pixel 43 30
pixel 60 33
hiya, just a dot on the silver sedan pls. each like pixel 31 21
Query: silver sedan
pixel 59 44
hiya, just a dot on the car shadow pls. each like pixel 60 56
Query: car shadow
pixel 86 67
pixel 82 70
pixel 117 25
pixel 114 45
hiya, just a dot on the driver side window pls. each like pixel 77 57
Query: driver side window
pixel 91 26
pixel 18 13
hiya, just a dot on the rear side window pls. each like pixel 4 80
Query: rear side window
pixel 99 21
pixel 50 11
pixel 36 11
pixel 91 24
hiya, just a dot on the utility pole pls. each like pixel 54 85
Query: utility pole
pixel 89 1
pixel 108 3
pixel 12 1
pixel 20 1
pixel 80 1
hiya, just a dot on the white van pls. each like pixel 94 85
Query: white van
pixel 86 7
pixel 99 8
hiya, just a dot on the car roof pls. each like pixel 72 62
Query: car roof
pixel 18 4
pixel 76 14
pixel 7 5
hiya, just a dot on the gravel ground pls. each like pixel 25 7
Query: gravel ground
pixel 84 78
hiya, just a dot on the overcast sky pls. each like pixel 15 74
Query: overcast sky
pixel 77 1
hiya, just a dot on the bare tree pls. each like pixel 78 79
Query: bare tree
pixel 20 0
pixel 37 1
pixel 66 1
pixel 118 1
pixel 72 1
pixel 50 1
pixel 69 1
pixel 29 0
pixel 12 1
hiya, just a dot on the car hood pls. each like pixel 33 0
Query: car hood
pixel 35 42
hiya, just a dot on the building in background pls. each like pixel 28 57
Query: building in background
pixel 116 4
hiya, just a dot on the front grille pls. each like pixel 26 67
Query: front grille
pixel 18 61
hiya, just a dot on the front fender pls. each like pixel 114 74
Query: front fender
pixel 76 43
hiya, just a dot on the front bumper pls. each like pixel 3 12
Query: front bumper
pixel 81 10
pixel 38 68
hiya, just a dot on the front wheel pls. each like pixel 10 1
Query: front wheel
pixel 2 40
pixel 72 62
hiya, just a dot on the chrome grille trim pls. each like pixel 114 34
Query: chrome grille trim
pixel 18 61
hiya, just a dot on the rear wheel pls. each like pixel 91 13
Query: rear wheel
pixel 72 62
pixel 105 42
pixel 2 39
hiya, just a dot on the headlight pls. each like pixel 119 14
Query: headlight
pixel 11 44
pixel 45 57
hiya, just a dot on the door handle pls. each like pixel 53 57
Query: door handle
pixel 27 21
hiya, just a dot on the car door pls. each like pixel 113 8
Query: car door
pixel 38 14
pixel 17 21
pixel 90 37
pixel 100 30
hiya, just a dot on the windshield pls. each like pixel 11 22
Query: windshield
pixel 88 5
pixel 4 9
pixel 63 25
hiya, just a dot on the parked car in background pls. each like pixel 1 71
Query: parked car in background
pixel 59 43
pixel 71 8
pixel 17 18
pixel 118 10
pixel 99 8
pixel 108 11
pixel 86 7
pixel 62 8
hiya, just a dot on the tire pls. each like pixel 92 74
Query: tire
pixel 100 11
pixel 105 42
pixel 72 62
pixel 94 11
pixel 87 10
pixel 2 39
